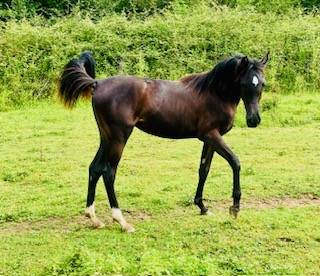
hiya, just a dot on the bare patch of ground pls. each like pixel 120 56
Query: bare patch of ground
pixel 78 222
pixel 136 215
pixel 67 224
pixel 265 203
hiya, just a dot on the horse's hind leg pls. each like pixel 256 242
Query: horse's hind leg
pixel 113 157
pixel 205 163
pixel 96 169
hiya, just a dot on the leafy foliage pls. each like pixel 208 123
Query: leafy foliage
pixel 167 45
pixel 49 8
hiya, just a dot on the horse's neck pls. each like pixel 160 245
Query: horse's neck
pixel 228 94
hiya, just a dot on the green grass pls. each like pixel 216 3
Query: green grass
pixel 44 156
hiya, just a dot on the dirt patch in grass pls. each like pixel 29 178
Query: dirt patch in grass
pixel 284 202
pixel 78 222
pixel 264 203
pixel 67 224
pixel 136 215
pixel 52 223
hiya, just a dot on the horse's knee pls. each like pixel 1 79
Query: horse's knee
pixel 203 172
pixel 92 169
pixel 108 173
pixel 236 166
pixel 97 168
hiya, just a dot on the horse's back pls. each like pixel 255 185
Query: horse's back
pixel 169 110
pixel 160 107
pixel 138 94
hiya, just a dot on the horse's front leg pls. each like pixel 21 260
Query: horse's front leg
pixel 205 162
pixel 215 140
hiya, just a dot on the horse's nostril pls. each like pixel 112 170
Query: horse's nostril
pixel 259 118
pixel 251 122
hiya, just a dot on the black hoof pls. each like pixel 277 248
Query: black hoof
pixel 233 211
pixel 204 212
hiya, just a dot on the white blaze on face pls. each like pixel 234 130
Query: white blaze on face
pixel 255 80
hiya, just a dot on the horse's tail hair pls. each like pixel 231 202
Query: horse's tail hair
pixel 77 80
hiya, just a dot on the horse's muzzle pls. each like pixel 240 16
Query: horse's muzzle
pixel 253 120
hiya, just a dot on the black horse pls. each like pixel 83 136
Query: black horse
pixel 199 106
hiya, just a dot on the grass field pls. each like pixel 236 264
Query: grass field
pixel 44 156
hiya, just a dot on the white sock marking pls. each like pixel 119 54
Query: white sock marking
pixel 117 215
pixel 91 213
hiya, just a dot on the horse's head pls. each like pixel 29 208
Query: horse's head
pixel 251 78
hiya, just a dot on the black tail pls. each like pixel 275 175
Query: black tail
pixel 77 79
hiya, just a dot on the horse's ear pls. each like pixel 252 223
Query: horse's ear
pixel 242 66
pixel 265 59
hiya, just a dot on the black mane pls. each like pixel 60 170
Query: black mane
pixel 220 80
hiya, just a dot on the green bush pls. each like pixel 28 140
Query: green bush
pixel 96 8
pixel 277 6
pixel 169 46
pixel 26 8
pixel 310 4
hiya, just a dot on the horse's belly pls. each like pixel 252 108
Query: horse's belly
pixel 166 130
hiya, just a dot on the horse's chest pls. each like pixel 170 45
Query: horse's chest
pixel 227 120
pixel 225 128
pixel 222 120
